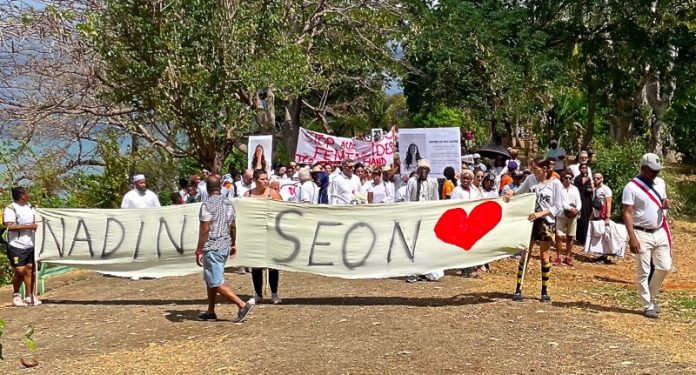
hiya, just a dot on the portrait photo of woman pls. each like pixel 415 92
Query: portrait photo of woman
pixel 259 159
pixel 412 157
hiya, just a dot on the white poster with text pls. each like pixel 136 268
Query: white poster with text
pixel 441 146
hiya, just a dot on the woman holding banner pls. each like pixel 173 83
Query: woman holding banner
pixel 263 191
pixel 549 204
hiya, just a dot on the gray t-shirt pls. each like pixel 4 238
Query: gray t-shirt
pixel 219 211
pixel 549 196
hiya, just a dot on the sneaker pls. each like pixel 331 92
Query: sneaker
pixel 657 308
pixel 412 279
pixel 568 261
pixel 36 302
pixel 545 298
pixel 255 299
pixel 17 300
pixel 243 312
pixel 207 317
pixel 276 300
pixel 557 261
pixel 651 313
pixel 517 297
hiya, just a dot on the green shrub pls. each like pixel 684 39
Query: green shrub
pixel 619 163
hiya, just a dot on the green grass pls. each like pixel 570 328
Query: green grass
pixel 678 303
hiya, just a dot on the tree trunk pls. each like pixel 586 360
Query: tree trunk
pixel 291 124
pixel 591 108
pixel 621 121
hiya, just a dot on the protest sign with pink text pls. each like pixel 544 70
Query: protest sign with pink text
pixel 313 147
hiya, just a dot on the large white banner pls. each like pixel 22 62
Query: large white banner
pixel 319 147
pixel 439 145
pixel 151 242
pixel 360 241
pixel 259 150
pixel 376 241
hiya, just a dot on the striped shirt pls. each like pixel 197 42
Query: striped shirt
pixel 220 212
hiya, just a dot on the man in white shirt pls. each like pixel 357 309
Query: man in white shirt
pixel 345 185
pixel 140 196
pixel 19 219
pixel 566 221
pixel 246 183
pixel 422 188
pixel 602 194
pixel 559 154
pixel 202 192
pixel 644 203
pixel 477 163
pixel 308 191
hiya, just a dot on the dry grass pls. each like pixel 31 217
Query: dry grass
pixel 102 325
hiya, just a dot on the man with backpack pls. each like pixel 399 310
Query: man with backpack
pixel 20 221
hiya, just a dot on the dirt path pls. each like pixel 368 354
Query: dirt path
pixel 365 326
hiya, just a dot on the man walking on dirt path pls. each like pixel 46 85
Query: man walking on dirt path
pixel 644 201
pixel 214 247
pixel 20 221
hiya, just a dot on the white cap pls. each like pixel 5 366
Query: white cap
pixel 138 177
pixel 651 161
pixel 476 156
pixel 425 163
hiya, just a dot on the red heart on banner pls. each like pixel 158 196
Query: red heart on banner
pixel 456 228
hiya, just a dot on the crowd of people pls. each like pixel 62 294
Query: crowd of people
pixel 569 198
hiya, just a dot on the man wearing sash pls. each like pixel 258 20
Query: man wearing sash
pixel 644 201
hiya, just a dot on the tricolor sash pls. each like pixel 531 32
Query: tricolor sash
pixel 658 202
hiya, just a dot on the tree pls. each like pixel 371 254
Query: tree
pixel 211 72
pixel 482 57
pixel 630 54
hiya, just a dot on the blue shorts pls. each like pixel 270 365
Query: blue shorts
pixel 214 267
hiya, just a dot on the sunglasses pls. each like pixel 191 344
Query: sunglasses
pixel 567 178
pixel 597 178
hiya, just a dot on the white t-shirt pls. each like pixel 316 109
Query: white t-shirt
pixel 22 215
pixel 555 153
pixel 365 186
pixel 136 199
pixel 600 192
pixel 646 213
pixel 468 195
pixel 202 191
pixel 342 189
pixel 490 194
pixel 380 193
pixel 307 192
pixel 242 188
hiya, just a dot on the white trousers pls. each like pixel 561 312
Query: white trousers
pixel 653 246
